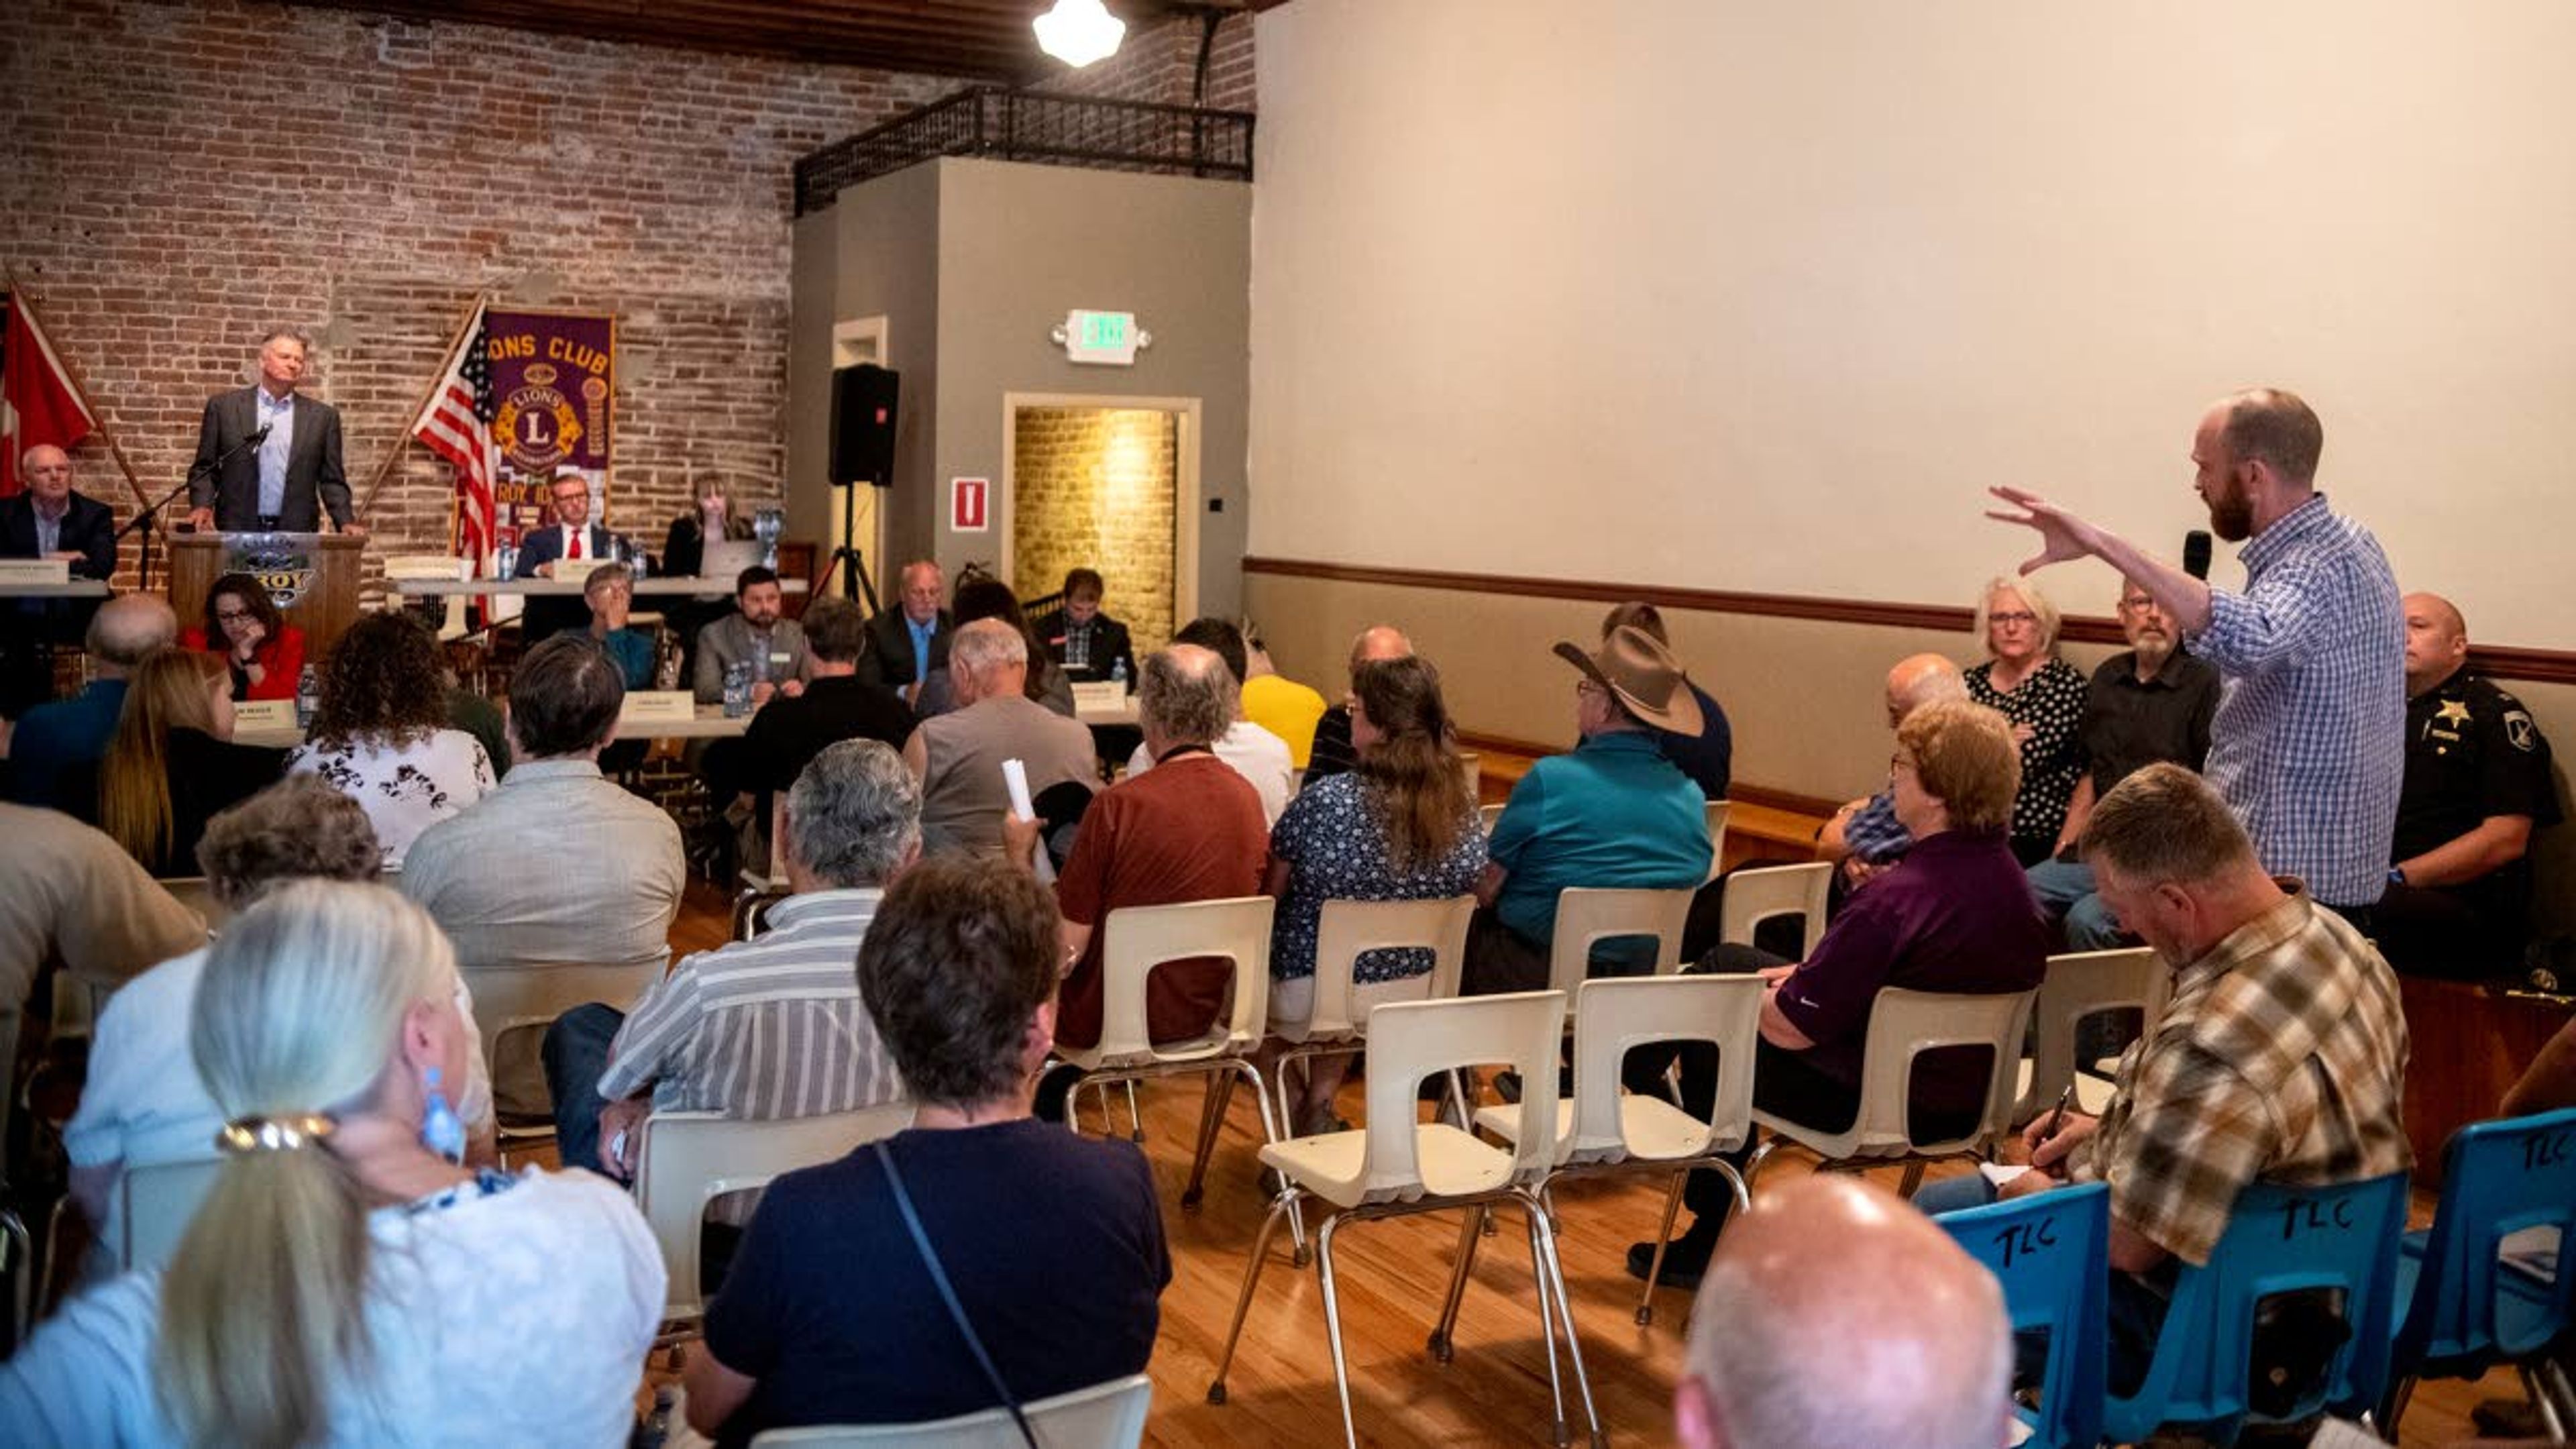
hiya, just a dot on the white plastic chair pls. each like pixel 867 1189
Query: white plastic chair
pixel 434 566
pixel 1105 1416
pixel 1585 917
pixel 1134 941
pixel 689 1159
pixel 2080 984
pixel 1334 1027
pixel 1717 811
pixel 1755 896
pixel 155 1203
pixel 1397 1165
pixel 515 1004
pixel 1471 768
pixel 1486 815
pixel 1606 1131
pixel 1903 1025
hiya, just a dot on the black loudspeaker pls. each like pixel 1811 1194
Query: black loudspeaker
pixel 863 400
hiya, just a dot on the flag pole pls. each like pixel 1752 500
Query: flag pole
pixel 376 484
pixel 18 298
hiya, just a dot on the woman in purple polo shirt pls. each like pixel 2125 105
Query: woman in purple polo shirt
pixel 1956 915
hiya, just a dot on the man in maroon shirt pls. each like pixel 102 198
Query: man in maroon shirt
pixel 1190 829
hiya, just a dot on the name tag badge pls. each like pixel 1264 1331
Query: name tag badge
pixel 778 656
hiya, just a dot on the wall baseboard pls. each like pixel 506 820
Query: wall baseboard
pixel 2497 661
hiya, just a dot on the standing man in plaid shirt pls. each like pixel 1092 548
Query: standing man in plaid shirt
pixel 2281 1057
pixel 2309 743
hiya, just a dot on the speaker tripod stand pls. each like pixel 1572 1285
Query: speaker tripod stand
pixel 847 562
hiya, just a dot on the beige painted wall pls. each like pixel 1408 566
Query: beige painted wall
pixel 1761 297
pixel 1803 697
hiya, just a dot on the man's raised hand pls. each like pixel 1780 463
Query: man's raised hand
pixel 2063 536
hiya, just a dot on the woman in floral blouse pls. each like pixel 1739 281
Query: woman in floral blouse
pixel 1402 826
pixel 380 734
pixel 2043 697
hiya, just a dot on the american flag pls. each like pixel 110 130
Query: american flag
pixel 457 425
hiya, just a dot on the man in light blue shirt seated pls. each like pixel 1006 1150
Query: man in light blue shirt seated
pixel 1614 813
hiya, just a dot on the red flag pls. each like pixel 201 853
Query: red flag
pixel 38 403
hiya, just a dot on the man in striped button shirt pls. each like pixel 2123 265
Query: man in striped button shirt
pixel 766 1028
pixel 2309 743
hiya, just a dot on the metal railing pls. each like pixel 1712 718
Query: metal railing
pixel 1014 125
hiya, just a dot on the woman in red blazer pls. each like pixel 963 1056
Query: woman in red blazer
pixel 264 652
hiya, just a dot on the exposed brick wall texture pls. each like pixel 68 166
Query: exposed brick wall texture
pixel 183 175
pixel 1095 487
pixel 1161 64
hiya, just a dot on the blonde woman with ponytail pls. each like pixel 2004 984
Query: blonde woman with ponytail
pixel 346 1282
pixel 1399 826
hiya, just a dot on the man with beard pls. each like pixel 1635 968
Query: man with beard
pixel 2150 704
pixel 2308 744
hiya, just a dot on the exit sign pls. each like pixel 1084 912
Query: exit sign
pixel 1109 338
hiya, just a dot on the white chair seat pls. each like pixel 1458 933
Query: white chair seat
pixel 1207 1046
pixel 1655 1130
pixel 2092 1094
pixel 1452 1163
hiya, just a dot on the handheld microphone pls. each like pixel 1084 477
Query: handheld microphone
pixel 2195 554
pixel 261 434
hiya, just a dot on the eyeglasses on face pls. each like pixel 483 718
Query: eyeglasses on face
pixel 2017 618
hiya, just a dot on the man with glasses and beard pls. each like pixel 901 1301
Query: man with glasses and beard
pixel 2148 705
pixel 2308 743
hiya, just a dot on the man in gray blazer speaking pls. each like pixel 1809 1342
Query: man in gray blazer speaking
pixel 292 473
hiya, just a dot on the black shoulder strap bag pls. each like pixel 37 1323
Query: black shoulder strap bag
pixel 948 1295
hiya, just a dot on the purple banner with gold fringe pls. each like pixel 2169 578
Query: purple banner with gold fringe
pixel 554 377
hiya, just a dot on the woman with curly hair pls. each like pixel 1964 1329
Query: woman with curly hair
pixel 243 626
pixel 381 735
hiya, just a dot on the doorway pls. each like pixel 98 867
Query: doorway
pixel 1108 483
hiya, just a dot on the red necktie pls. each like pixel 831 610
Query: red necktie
pixel 575 535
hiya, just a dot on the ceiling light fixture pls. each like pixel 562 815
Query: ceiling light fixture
pixel 1079 32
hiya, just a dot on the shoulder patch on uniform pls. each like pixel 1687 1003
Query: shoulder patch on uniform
pixel 2520 732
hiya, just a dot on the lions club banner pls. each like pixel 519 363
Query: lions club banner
pixel 554 378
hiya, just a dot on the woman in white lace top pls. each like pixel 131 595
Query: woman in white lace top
pixel 381 733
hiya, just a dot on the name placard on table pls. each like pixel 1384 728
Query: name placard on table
pixel 35 571
pixel 658 706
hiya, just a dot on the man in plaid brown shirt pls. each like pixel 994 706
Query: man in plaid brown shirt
pixel 2281 1057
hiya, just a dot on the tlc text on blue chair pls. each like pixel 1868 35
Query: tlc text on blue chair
pixel 2052 1253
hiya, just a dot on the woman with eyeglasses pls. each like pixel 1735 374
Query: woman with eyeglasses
pixel 2042 696
pixel 243 624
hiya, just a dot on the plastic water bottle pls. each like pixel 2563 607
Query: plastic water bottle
pixel 737 689
pixel 308 698
pixel 1118 673
pixel 505 562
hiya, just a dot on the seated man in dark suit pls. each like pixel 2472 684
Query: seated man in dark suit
pixel 1088 644
pixel 791 730
pixel 566 540
pixel 50 521
pixel 908 644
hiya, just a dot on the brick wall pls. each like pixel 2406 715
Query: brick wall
pixel 1161 64
pixel 182 175
pixel 1095 487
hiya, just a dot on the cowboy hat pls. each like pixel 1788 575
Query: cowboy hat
pixel 1642 675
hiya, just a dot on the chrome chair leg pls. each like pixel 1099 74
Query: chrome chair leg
pixel 1220 1095
pixel 1135 1119
pixel 1333 1325
pixel 1546 1322
pixel 1573 1344
pixel 1444 1335
pixel 1251 1280
pixel 1663 1240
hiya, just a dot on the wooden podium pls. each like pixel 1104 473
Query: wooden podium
pixel 312 576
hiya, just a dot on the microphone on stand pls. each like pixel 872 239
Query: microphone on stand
pixel 260 435
pixel 2195 554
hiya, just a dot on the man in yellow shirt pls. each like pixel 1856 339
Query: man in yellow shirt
pixel 1282 706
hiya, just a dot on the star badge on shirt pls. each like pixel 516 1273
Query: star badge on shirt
pixel 2453 711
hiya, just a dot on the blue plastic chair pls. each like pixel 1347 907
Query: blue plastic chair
pixel 2460 1312
pixel 2052 1253
pixel 2278 1240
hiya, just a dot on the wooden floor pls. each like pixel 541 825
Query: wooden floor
pixel 1391 1276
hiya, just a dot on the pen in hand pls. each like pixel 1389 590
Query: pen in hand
pixel 2056 1119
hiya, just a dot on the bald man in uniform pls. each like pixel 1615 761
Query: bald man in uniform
pixel 1833 1315
pixel 2477 785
